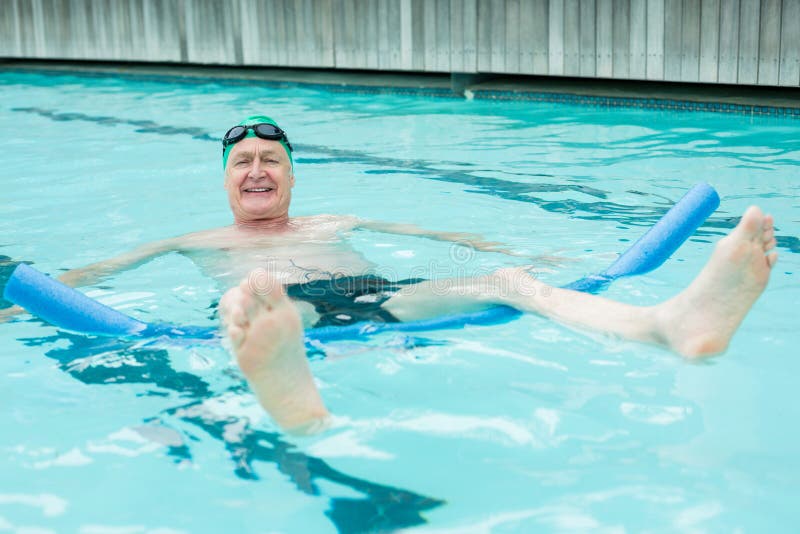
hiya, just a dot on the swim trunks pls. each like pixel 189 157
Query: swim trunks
pixel 349 299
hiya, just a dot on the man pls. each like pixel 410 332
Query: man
pixel 287 264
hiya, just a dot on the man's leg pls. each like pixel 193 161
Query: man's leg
pixel 698 321
pixel 266 335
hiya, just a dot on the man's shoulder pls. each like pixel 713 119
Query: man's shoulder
pixel 211 237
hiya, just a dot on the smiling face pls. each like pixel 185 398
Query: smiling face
pixel 259 181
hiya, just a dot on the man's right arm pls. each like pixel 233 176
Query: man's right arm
pixel 96 272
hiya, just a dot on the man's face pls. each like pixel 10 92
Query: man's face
pixel 259 180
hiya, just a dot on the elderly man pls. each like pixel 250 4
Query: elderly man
pixel 298 270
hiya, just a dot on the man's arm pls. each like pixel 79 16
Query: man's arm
pixel 96 272
pixel 470 240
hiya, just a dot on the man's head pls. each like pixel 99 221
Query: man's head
pixel 259 176
pixel 255 126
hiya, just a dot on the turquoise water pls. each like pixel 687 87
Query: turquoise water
pixel 526 426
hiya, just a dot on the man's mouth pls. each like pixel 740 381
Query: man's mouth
pixel 259 189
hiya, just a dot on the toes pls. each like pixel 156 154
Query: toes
pixel 769 245
pixel 236 316
pixel 263 286
pixel 772 259
pixel 769 222
pixel 228 304
pixel 236 335
pixel 751 223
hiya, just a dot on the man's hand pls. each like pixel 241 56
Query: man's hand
pixel 6 314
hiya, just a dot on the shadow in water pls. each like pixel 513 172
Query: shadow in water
pixel 103 361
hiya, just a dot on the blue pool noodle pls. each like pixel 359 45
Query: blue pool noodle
pixel 70 309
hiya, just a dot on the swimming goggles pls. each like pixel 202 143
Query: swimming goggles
pixel 263 130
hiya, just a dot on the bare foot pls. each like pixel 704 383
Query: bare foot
pixel 702 319
pixel 266 334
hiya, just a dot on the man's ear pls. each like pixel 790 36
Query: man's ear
pixel 291 180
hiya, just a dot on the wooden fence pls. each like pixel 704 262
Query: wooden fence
pixel 752 42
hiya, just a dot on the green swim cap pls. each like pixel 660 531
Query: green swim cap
pixel 249 121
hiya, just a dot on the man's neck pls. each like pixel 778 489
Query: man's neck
pixel 278 223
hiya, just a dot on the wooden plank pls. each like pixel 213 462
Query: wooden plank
pixel 342 35
pixel 638 40
pixel 621 39
pixel 26 42
pixel 384 35
pixel 457 31
pixel 749 24
pixel 406 35
pixel 484 36
pixel 150 13
pixel 605 39
pixel 533 16
pixel 728 71
pixel 206 37
pixel 304 37
pixel 709 40
pixel 572 36
pixel 77 25
pixel 690 41
pixel 359 50
pixel 70 43
pixel 99 21
pixel 555 48
pixel 442 42
pixel 588 48
pixel 51 42
pixel 138 45
pixel 90 42
pixel 429 32
pixel 588 39
pixel 417 35
pixel 790 44
pixel 9 35
pixel 323 10
pixel 369 42
pixel 498 42
pixel 672 39
pixel 655 39
pixel 121 24
pixel 14 37
pixel 541 36
pixel 37 24
pixel 256 22
pixel 288 13
pixel 282 54
pixel 769 43
pixel 512 50
pixel 470 29
pixel 526 35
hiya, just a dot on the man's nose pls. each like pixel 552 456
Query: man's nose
pixel 257 170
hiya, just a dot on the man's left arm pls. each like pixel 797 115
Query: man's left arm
pixel 474 241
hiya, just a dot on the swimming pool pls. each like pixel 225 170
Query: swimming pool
pixel 511 428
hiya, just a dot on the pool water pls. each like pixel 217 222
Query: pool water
pixel 520 427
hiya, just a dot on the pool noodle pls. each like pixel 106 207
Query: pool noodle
pixel 70 309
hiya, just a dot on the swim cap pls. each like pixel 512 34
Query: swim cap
pixel 256 119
